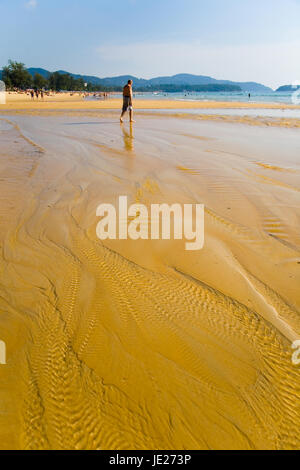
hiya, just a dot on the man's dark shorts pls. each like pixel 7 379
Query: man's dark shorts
pixel 126 104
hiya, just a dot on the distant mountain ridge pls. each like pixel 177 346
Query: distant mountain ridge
pixel 179 79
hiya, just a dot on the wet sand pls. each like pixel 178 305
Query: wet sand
pixel 141 344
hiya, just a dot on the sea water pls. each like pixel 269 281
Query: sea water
pixel 265 97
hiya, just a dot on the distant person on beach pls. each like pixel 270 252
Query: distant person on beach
pixel 127 101
pixel 37 93
pixel 249 96
pixel 32 94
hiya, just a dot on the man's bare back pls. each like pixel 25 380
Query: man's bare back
pixel 127 90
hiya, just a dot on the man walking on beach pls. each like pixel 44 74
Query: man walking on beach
pixel 127 101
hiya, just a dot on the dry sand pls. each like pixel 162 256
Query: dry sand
pixel 64 101
pixel 143 345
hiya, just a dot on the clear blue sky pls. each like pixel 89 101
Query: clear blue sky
pixel 232 39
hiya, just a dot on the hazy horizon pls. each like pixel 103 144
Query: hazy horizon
pixel 239 41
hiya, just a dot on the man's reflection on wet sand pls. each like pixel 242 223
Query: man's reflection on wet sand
pixel 128 138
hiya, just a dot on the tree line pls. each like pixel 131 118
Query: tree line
pixel 15 75
pixel 211 87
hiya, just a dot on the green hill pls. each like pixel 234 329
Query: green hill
pixel 179 82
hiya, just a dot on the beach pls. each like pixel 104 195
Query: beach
pixel 123 344
pixel 77 101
